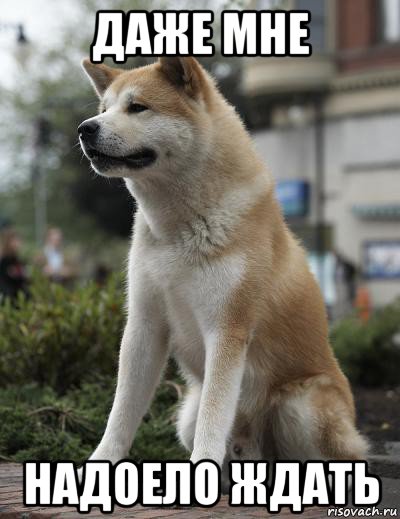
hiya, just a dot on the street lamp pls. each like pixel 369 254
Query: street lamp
pixel 297 117
pixel 320 187
pixel 40 139
pixel 18 28
pixel 21 38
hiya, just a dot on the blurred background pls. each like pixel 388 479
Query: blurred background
pixel 328 127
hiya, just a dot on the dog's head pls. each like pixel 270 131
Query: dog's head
pixel 152 119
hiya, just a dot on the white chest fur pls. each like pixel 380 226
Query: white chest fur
pixel 195 296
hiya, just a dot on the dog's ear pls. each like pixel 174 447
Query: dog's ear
pixel 184 72
pixel 101 76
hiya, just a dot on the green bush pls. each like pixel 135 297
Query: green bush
pixel 61 337
pixel 369 352
pixel 39 425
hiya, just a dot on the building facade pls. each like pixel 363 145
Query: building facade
pixel 328 127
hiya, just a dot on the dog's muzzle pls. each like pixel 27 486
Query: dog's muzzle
pixel 88 133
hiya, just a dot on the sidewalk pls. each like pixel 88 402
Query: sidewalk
pixel 11 506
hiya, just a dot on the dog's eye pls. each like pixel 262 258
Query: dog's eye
pixel 135 108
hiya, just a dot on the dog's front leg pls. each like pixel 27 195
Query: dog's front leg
pixel 225 361
pixel 142 358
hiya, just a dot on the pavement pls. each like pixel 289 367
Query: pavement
pixel 386 464
pixel 391 494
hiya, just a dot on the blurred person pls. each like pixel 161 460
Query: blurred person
pixel 346 272
pixel 101 274
pixel 13 277
pixel 54 261
pixel 345 277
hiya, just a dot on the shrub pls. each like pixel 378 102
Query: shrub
pixel 58 364
pixel 369 352
pixel 39 425
pixel 61 337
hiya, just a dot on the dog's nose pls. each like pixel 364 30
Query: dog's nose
pixel 88 129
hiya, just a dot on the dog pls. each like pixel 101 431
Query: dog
pixel 215 279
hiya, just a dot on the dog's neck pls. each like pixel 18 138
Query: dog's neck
pixel 199 205
pixel 198 215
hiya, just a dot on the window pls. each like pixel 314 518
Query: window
pixel 389 20
pixel 318 34
pixel 318 29
pixel 381 260
pixel 269 5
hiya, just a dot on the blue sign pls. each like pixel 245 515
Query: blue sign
pixel 294 197
pixel 381 259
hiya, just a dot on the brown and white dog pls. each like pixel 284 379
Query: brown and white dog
pixel 216 279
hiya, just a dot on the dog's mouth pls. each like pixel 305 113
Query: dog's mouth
pixel 140 159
